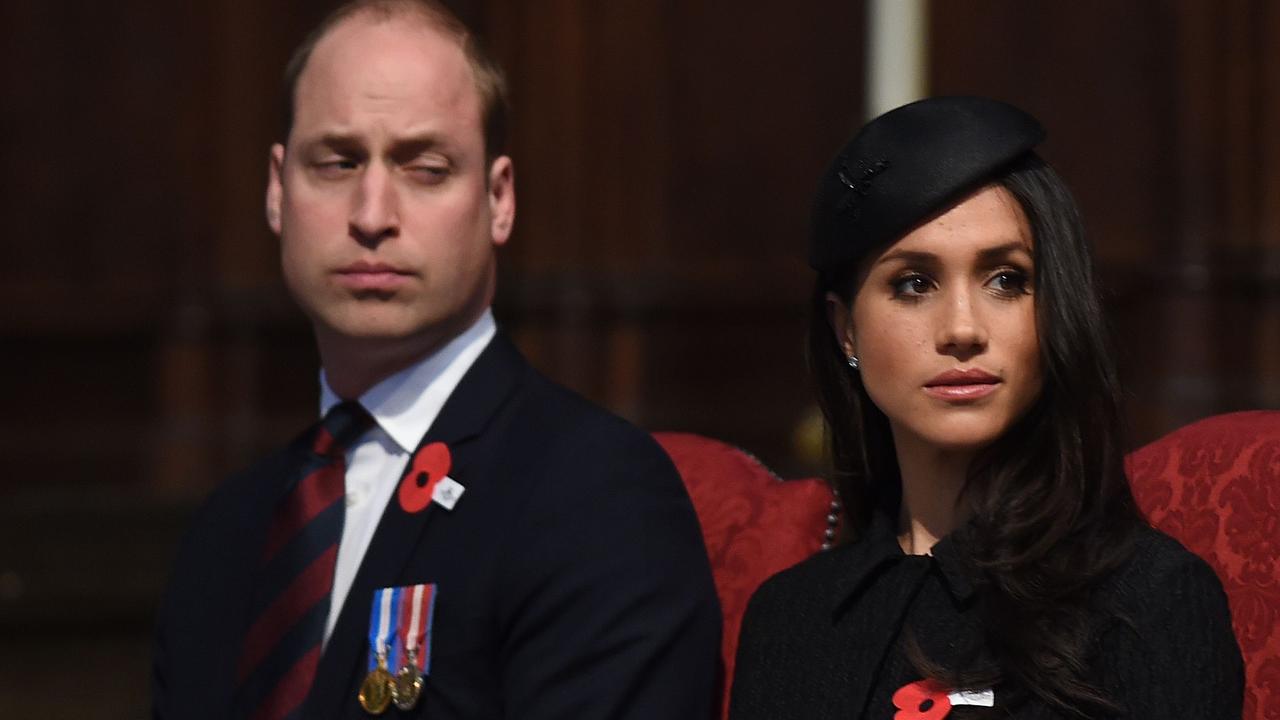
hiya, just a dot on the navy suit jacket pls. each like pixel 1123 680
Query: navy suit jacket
pixel 571 576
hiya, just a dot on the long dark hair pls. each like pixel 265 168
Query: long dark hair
pixel 1051 510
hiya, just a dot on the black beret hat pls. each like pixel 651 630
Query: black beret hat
pixel 908 164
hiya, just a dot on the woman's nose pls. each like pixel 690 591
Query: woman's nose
pixel 960 330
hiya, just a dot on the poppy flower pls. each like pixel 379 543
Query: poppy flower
pixel 921 700
pixel 430 465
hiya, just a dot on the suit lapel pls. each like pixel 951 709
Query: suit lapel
pixel 486 386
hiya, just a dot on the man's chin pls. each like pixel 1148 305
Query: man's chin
pixel 382 325
pixel 375 332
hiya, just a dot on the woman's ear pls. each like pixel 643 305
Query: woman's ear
pixel 840 318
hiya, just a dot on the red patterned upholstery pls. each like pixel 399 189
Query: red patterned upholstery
pixel 754 524
pixel 1215 485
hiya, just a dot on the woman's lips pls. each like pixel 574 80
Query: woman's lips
pixel 961 392
pixel 962 385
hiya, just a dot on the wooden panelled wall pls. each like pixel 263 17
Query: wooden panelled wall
pixel 665 152
pixel 1162 118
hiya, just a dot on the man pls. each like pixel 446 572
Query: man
pixel 541 558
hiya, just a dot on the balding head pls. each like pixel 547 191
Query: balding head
pixel 488 76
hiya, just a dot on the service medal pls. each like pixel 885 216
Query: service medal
pixel 407 686
pixel 376 691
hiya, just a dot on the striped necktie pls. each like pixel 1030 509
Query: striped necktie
pixel 291 599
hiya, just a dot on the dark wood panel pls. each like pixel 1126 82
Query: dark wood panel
pixel 1098 76
pixel 1157 116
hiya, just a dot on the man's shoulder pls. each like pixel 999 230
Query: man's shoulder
pixel 567 426
pixel 236 508
pixel 540 416
pixel 254 478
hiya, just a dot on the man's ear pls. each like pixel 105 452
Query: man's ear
pixel 840 318
pixel 502 199
pixel 275 187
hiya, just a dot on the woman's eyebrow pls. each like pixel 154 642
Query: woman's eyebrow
pixel 911 257
pixel 985 256
pixel 1003 251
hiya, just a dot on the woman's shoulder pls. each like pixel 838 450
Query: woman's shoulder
pixel 802 600
pixel 1161 570
pixel 807 582
pixel 1166 602
pixel 798 587
pixel 1169 650
pixel 789 660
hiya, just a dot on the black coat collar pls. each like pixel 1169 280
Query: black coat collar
pixel 878 548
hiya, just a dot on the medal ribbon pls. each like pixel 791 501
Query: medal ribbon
pixel 416 617
pixel 383 635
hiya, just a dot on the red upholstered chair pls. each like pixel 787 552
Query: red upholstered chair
pixel 1215 485
pixel 754 523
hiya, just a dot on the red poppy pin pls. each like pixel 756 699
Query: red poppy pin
pixel 430 465
pixel 921 700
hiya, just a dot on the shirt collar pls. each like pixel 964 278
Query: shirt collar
pixel 407 403
pixel 879 547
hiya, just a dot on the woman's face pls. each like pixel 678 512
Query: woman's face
pixel 944 326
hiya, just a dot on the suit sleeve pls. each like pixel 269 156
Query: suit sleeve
pixel 1179 658
pixel 609 605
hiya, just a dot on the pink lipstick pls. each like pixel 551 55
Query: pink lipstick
pixel 962 385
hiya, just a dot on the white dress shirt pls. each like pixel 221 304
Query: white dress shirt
pixel 404 406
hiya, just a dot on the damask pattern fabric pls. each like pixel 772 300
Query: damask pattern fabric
pixel 753 523
pixel 1215 485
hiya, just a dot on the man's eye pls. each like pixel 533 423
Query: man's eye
pixel 335 167
pixel 428 174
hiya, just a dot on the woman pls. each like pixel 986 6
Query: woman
pixel 995 564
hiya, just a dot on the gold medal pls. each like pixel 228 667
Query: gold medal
pixel 377 688
pixel 408 684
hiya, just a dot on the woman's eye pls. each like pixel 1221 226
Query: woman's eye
pixel 1010 282
pixel 911 286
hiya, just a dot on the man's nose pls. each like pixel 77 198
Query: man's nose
pixel 961 332
pixel 376 213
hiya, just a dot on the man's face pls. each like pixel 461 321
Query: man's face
pixel 387 214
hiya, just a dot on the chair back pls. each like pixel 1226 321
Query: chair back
pixel 754 524
pixel 1215 486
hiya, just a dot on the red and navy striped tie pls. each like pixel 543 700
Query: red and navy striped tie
pixel 291 601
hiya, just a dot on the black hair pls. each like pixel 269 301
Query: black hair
pixel 1051 512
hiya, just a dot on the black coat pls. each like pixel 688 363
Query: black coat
pixel 572 578
pixel 825 639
